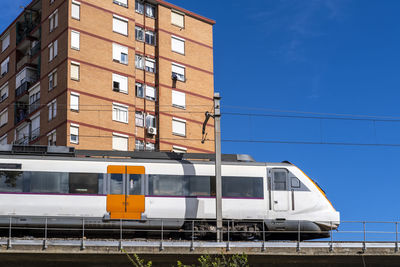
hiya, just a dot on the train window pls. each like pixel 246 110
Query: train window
pixel 135 184
pixel 167 185
pixel 83 183
pixel 199 185
pixel 280 180
pixel 242 187
pixel 11 181
pixel 46 182
pixel 295 182
pixel 116 184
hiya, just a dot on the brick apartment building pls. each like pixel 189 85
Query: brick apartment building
pixel 107 74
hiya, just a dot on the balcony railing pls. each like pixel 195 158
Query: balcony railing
pixel 22 141
pixel 22 89
pixel 35 49
pixel 35 134
pixel 23 61
pixel 34 106
pixel 25 28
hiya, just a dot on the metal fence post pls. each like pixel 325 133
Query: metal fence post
pixel 228 248
pixel 83 234
pixel 396 249
pixel 162 236
pixel 365 239
pixel 45 235
pixel 263 233
pixel 9 245
pixel 192 242
pixel 298 237
pixel 120 235
pixel 331 245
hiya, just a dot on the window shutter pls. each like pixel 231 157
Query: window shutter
pixel 120 143
pixel 36 123
pixel 150 63
pixel 123 82
pixel 55 48
pixel 4 117
pixel 179 126
pixel 74 71
pixel 178 45
pixel 120 25
pixel 177 19
pixel 75 10
pixel 150 92
pixel 178 69
pixel 75 40
pixel 178 99
pixel 74 102
pixel 5 42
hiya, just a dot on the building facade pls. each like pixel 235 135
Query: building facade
pixel 107 75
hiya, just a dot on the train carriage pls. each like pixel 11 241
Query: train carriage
pixel 146 189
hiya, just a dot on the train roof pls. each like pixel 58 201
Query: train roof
pixel 70 153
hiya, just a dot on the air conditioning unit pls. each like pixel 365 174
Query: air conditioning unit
pixel 152 130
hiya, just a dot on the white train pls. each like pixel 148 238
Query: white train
pixel 140 192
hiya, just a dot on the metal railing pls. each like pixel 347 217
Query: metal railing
pixel 361 233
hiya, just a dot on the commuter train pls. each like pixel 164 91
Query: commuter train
pixel 146 192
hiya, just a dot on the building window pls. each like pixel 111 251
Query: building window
pixel 178 127
pixel 150 93
pixel 5 41
pixel 120 113
pixel 150 147
pixel 179 149
pixel 139 145
pixel 34 97
pixel 178 99
pixel 139 62
pixel 150 11
pixel 139 6
pixel 52 138
pixel 53 20
pixel 177 19
pixel 120 83
pixel 4 92
pixel 120 54
pixel 123 3
pixel 74 101
pixel 75 71
pixel 76 10
pixel 178 45
pixel 150 121
pixel 52 80
pixel 150 38
pixel 178 72
pixel 120 142
pixel 139 33
pixel 3 140
pixel 5 66
pixel 3 117
pixel 150 65
pixel 75 40
pixel 139 119
pixel 52 109
pixel 120 25
pixel 35 127
pixel 74 133
pixel 53 50
pixel 139 90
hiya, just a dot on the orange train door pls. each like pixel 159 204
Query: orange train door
pixel 126 199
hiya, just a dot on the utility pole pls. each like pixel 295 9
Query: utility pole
pixel 218 178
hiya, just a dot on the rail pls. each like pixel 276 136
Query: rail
pixel 362 234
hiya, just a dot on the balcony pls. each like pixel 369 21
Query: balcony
pixel 23 61
pixel 34 106
pixel 35 49
pixel 25 79
pixel 25 27
pixel 21 112
pixel 22 89
pixel 22 141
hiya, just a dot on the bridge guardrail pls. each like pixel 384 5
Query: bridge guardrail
pixel 353 231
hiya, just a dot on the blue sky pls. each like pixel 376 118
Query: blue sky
pixel 322 56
